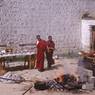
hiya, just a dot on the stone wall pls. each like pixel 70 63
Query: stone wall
pixel 22 20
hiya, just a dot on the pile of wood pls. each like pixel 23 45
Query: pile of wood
pixel 87 54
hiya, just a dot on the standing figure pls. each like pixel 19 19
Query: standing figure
pixel 49 51
pixel 41 48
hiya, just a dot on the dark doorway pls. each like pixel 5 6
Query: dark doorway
pixel 92 41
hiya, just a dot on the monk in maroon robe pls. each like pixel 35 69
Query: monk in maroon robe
pixel 49 51
pixel 41 48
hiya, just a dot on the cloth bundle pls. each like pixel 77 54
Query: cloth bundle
pixel 11 78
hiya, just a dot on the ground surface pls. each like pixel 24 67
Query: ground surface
pixel 63 65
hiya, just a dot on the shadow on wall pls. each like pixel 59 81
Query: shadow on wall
pixel 67 52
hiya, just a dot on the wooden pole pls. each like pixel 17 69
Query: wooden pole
pixel 28 89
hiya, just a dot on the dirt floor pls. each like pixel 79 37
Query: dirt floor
pixel 62 66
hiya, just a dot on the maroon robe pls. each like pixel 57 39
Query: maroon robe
pixel 49 52
pixel 41 48
pixel 50 44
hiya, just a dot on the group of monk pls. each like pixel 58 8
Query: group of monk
pixel 44 48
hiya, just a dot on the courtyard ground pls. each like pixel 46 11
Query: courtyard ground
pixel 62 66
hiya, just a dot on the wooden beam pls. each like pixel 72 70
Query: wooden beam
pixel 3 45
pixel 27 44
